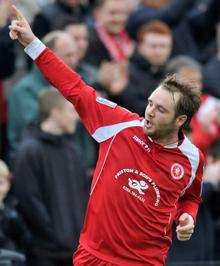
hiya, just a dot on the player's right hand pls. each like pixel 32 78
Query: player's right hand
pixel 20 29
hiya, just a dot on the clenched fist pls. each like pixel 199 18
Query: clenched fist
pixel 185 227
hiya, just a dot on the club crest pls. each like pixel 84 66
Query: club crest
pixel 177 171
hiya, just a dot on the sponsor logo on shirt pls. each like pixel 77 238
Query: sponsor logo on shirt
pixel 138 188
pixel 142 143
pixel 106 102
pixel 177 171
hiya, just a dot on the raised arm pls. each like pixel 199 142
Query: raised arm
pixel 94 111
pixel 55 71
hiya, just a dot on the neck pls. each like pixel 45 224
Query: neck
pixel 49 126
pixel 169 140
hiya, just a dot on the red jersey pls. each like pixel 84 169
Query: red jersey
pixel 139 187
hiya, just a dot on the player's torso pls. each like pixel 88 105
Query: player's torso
pixel 137 170
pixel 135 191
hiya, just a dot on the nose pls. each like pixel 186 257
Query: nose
pixel 150 110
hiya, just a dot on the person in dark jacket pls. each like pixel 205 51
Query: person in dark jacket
pixel 201 247
pixel 211 71
pixel 51 184
pixel 175 14
pixel 7 67
pixel 45 21
pixel 14 236
pixel 203 20
pixel 147 66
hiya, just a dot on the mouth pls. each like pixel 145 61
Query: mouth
pixel 148 124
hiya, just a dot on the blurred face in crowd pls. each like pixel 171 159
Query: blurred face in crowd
pixel 161 123
pixel 156 48
pixel 4 185
pixel 113 15
pixel 192 74
pixel 70 3
pixel 80 35
pixel 65 118
pixel 66 49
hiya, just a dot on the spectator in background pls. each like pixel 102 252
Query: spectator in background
pixel 51 184
pixel 45 21
pixel 13 232
pixel 205 125
pixel 206 238
pixel 109 40
pixel 23 101
pixel 211 71
pixel 203 19
pixel 7 67
pixel 31 8
pixel 78 30
pixel 172 12
pixel 212 176
pixel 203 134
pixel 144 13
pixel 146 67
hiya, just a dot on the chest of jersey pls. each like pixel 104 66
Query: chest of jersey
pixel 138 171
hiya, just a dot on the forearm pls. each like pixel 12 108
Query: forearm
pixel 190 200
pixel 187 206
pixel 67 81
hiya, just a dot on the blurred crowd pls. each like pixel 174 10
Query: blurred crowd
pixel 123 48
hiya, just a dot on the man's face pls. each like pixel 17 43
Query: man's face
pixel 66 49
pixel 156 48
pixel 66 118
pixel 160 120
pixel 113 15
pixel 80 35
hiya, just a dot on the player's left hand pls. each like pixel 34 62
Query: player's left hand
pixel 185 227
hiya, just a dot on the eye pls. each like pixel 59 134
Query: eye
pixel 161 109
pixel 149 102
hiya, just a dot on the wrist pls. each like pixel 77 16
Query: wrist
pixel 34 48
pixel 29 41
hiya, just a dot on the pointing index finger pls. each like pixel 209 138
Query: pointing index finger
pixel 18 15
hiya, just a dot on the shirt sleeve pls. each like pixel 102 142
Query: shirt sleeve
pixel 189 202
pixel 94 111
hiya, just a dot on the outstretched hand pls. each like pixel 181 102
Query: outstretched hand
pixel 20 29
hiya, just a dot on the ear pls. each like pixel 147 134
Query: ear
pixel 180 120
